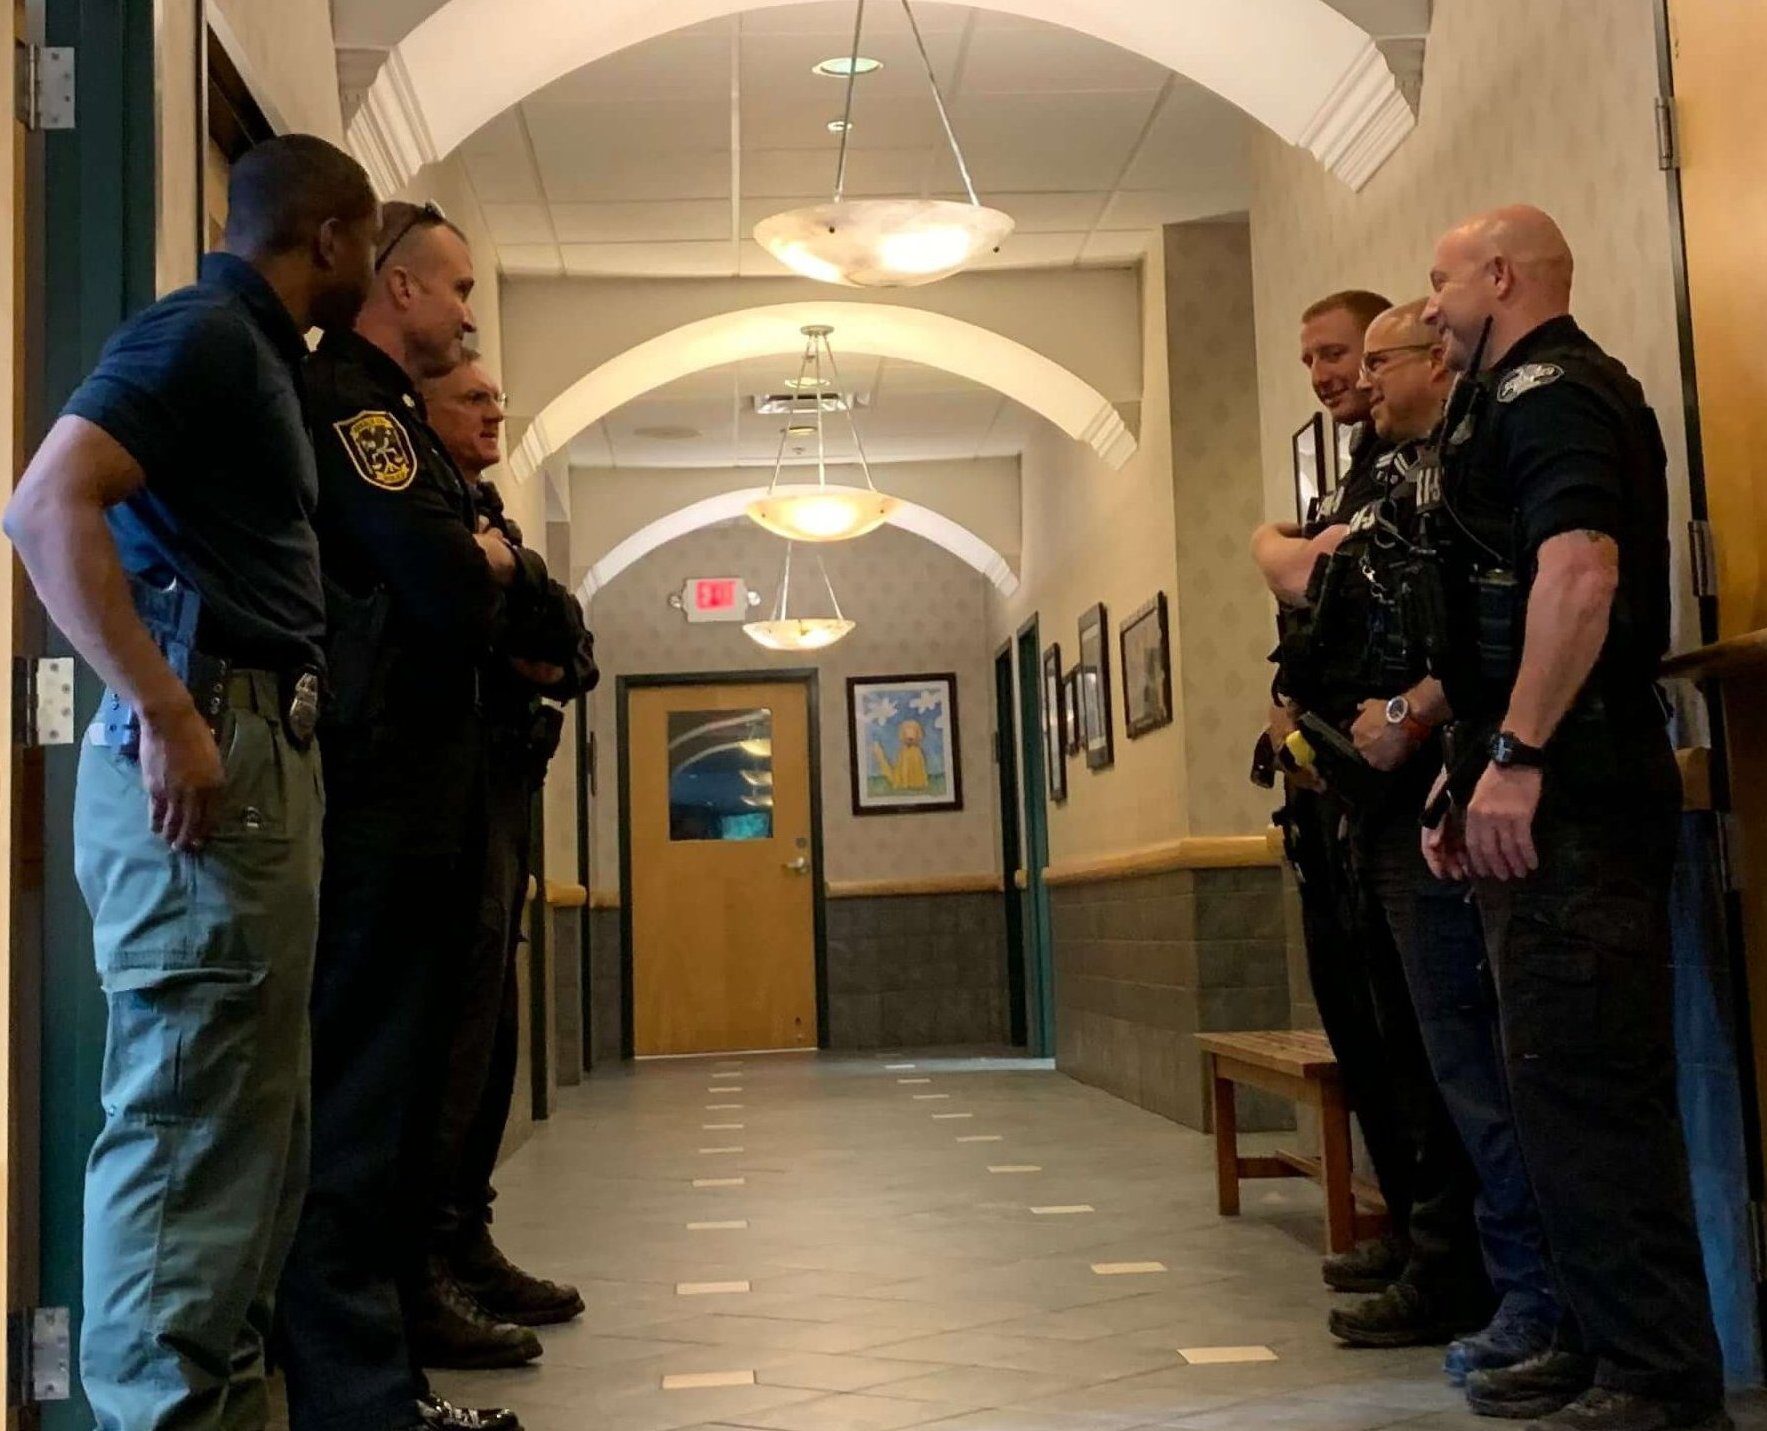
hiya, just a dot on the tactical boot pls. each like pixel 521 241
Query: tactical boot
pixel 504 1290
pixel 1367 1267
pixel 435 1414
pixel 448 1329
pixel 1511 1339
pixel 1538 1386
pixel 1599 1409
pixel 1403 1316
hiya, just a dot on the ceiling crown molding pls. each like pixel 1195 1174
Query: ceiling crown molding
pixel 1363 120
pixel 389 135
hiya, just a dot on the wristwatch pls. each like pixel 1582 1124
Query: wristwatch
pixel 1399 714
pixel 1507 749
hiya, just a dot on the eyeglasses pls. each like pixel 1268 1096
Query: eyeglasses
pixel 430 213
pixel 1372 363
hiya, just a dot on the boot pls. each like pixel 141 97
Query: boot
pixel 435 1414
pixel 503 1289
pixel 1367 1267
pixel 1404 1316
pixel 448 1329
pixel 1599 1409
pixel 1511 1339
pixel 1538 1386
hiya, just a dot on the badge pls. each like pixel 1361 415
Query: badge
pixel 1528 377
pixel 381 449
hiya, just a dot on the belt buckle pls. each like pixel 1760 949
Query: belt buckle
pixel 303 708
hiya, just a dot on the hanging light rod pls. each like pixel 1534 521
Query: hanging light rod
pixel 885 243
pixel 783 632
pixel 819 511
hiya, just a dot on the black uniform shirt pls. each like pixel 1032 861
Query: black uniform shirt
pixel 203 390
pixel 395 516
pixel 1563 440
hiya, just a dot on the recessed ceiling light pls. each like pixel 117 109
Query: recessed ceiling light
pixel 667 433
pixel 843 65
pixel 839 126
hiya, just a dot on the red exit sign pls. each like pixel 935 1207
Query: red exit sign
pixel 715 598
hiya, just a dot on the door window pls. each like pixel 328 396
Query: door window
pixel 721 775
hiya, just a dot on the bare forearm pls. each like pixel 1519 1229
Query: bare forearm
pixel 1429 702
pixel 72 560
pixel 1286 559
pixel 1567 624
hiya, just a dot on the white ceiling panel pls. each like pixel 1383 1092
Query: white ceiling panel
pixel 637 260
pixel 676 221
pixel 683 65
pixel 651 128
pixel 498 180
pixel 571 178
pixel 534 260
pixel 513 225
pixel 786 63
pixel 1195 139
pixel 1042 142
pixel 770 173
pixel 1141 209
pixel 1044 59
pixel 1046 213
pixel 775 120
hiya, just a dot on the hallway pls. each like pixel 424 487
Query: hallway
pixel 880 1242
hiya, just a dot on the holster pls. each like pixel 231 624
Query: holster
pixel 171 614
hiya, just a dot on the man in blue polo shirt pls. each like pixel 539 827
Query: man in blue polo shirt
pixel 167 522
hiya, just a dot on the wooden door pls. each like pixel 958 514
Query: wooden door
pixel 722 868
pixel 1717 50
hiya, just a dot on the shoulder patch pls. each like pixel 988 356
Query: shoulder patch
pixel 1528 377
pixel 380 448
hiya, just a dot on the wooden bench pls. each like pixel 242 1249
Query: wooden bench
pixel 1298 1065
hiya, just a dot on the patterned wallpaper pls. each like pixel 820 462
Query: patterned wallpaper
pixel 1544 101
pixel 917 608
pixel 1222 613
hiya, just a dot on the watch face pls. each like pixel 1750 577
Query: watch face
pixel 1397 709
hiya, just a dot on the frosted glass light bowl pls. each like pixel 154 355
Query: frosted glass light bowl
pixel 883 243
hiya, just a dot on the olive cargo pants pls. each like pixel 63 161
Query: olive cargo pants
pixel 196 1179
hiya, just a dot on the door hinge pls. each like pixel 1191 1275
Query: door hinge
pixel 1668 135
pixel 1703 553
pixel 43 85
pixel 43 701
pixel 1727 830
pixel 1758 1241
pixel 39 1356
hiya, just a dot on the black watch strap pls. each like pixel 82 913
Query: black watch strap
pixel 1509 749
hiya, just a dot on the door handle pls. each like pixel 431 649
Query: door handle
pixel 799 866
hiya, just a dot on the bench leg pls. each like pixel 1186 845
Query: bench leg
pixel 1226 1143
pixel 1334 1157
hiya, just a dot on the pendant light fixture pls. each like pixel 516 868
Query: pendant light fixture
pixel 820 511
pixel 885 243
pixel 783 632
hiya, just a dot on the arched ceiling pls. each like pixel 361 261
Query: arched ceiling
pixel 1299 67
pixel 877 330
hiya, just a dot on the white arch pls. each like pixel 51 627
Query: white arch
pixel 941 531
pixel 882 330
pixel 1299 67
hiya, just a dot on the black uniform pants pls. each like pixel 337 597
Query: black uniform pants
pixel 1585 993
pixel 1365 1006
pixel 386 924
pixel 479 1083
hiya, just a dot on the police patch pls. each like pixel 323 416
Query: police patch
pixel 1528 377
pixel 380 448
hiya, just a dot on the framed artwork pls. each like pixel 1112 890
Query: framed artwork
pixel 1147 669
pixel 1070 700
pixel 1055 723
pixel 1095 689
pixel 1313 471
pixel 902 737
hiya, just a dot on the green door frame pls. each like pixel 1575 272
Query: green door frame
pixel 90 241
pixel 1039 937
pixel 1011 844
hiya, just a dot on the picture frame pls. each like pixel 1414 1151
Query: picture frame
pixel 1146 648
pixel 1313 473
pixel 1095 689
pixel 1055 721
pixel 1070 699
pixel 904 745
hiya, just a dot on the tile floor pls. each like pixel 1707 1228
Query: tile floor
pixel 894 1282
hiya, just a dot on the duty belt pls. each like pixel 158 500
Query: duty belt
pixel 292 698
